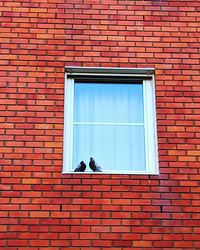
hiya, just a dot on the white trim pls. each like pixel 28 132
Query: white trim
pixel 155 167
pixel 150 127
pixel 146 137
pixel 68 126
pixel 151 149
pixel 109 123
pixel 137 172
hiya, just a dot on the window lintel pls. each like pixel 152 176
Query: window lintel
pixel 144 72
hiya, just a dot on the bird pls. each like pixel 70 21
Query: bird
pixel 81 167
pixel 94 166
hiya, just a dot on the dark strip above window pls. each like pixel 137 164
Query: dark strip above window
pixel 127 72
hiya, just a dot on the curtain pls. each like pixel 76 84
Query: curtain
pixel 109 125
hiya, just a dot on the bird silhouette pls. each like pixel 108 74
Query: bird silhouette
pixel 94 166
pixel 81 167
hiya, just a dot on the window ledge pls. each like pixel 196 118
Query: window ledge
pixel 114 172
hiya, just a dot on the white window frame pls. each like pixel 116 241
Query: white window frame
pixel 150 127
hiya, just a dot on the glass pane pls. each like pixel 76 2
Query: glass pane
pixel 113 147
pixel 116 103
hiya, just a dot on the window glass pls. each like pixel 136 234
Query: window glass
pixel 109 125
pixel 94 102
pixel 113 147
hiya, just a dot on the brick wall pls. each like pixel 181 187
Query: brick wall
pixel 42 209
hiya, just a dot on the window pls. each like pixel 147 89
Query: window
pixel 110 116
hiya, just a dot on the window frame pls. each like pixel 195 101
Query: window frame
pixel 149 103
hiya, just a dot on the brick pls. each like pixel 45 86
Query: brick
pixel 81 243
pixel 60 243
pixel 39 214
pixel 37 228
pixel 60 214
pixel 18 243
pixel 183 244
pixel 163 244
pixel 18 214
pixel 9 207
pixel 39 242
pixel 60 229
pixel 147 244
pixel 131 237
pixel 27 235
pixel 43 208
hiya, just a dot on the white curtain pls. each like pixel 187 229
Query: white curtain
pixel 109 125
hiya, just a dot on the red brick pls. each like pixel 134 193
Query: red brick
pixel 81 243
pixel 17 242
pixel 8 235
pixel 122 243
pixel 9 207
pixel 60 214
pixel 47 209
pixel 142 244
pixel 39 214
pixel 39 242
pixel 59 229
pixel 36 228
pixel 183 244
pixel 27 235
pixel 132 236
pixel 163 244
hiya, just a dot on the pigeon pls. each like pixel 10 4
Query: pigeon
pixel 94 166
pixel 81 167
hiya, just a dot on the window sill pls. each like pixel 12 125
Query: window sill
pixel 115 172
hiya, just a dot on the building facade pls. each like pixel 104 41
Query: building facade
pixel 42 208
